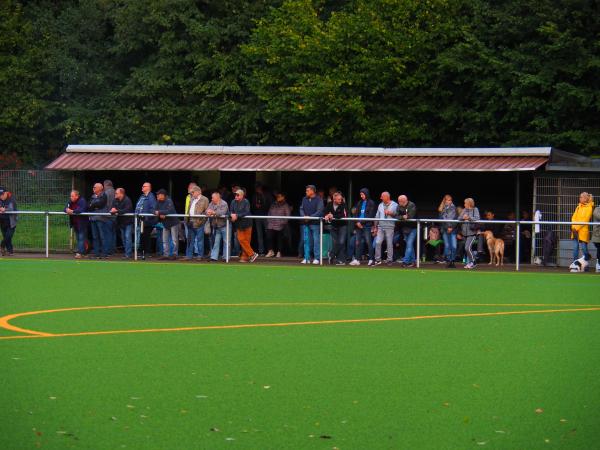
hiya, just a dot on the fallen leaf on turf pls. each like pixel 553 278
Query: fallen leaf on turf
pixel 113 418
pixel 130 406
pixel 61 432
pixel 325 436
pixel 539 411
pixel 564 420
pixel 135 398
pixel 230 439
pixel 143 416
pixel 52 398
pixel 500 432
pixel 547 441
pixel 267 387
pixel 446 404
pixel 476 386
pixel 183 411
pixel 311 435
pixel 201 396
pixel 215 429
pixel 482 443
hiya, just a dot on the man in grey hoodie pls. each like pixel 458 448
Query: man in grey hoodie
pixel 387 209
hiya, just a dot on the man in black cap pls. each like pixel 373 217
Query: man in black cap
pixel 8 222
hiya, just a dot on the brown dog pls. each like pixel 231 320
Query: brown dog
pixel 495 247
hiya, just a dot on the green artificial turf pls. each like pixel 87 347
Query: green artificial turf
pixel 515 382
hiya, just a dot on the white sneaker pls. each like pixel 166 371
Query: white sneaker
pixel 270 254
pixel 278 255
pixel 355 262
pixel 370 263
pixel 316 262
pixel 304 261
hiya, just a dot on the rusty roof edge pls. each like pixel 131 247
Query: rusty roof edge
pixel 322 151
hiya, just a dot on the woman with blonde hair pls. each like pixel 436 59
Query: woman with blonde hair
pixel 447 211
pixel 581 233
pixel 469 229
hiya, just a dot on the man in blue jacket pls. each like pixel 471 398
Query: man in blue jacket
pixel 79 223
pixel 312 206
pixel 146 204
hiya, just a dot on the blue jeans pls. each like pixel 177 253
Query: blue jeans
pixel 127 238
pixel 409 253
pixel 170 240
pixel 219 234
pixel 311 234
pixel 81 236
pixel 584 249
pixel 449 245
pixel 363 235
pixel 195 242
pixel 100 236
pixel 111 227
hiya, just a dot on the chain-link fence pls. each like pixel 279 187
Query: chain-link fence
pixel 39 190
pixel 556 197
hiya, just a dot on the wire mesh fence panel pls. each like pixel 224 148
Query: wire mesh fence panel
pixel 556 197
pixel 39 190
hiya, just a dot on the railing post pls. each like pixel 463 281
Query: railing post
pixel 227 239
pixel 320 241
pixel 47 234
pixel 418 243
pixel 518 246
pixel 135 237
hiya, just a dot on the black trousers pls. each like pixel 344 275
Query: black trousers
pixel 275 240
pixel 338 238
pixel 147 240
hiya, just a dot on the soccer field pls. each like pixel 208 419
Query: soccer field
pixel 111 355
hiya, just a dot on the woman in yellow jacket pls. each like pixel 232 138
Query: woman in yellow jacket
pixel 581 233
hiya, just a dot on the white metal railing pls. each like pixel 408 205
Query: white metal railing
pixel 321 221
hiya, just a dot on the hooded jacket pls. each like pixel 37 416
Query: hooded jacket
pixel 596 230
pixel 448 212
pixel 583 213
pixel 370 208
pixel 466 227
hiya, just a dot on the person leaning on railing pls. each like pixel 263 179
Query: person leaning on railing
pixel 78 223
pixel 447 211
pixel 469 229
pixel 239 209
pixel 217 210
pixel 407 210
pixel 8 222
pixel 146 204
pixel 195 225
pixel 276 228
pixel 121 206
pixel 365 208
pixel 334 212
pixel 581 233
pixel 384 230
pixel 170 232
pixel 99 224
pixel 596 236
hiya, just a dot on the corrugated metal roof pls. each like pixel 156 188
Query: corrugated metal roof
pixel 289 162
pixel 320 151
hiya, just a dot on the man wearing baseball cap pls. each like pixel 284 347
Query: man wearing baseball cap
pixel 240 208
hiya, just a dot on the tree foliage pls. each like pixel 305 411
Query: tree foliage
pixel 301 72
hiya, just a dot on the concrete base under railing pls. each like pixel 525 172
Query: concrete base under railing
pixel 293 261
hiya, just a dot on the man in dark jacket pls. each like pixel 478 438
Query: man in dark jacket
pixel 109 190
pixel 364 208
pixel 8 222
pixel 311 206
pixel 99 224
pixel 239 209
pixel 122 205
pixel 261 202
pixel 334 211
pixel 170 234
pixel 406 211
pixel 146 204
pixel 78 223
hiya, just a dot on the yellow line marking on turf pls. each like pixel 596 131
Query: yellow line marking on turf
pixel 4 321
